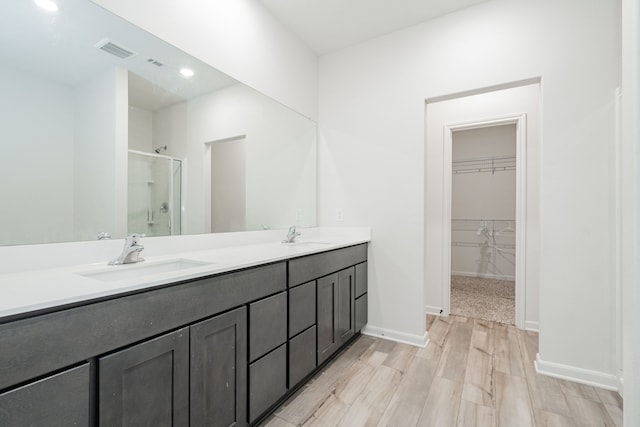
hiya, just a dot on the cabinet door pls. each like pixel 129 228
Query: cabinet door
pixel 219 370
pixel 327 299
pixel 345 313
pixel 147 384
pixel 361 279
pixel 58 400
pixel 361 312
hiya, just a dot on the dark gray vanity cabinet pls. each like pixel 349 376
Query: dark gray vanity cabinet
pixel 345 312
pixel 267 325
pixel 336 314
pixel 221 350
pixel 194 376
pixel 334 274
pixel 267 381
pixel 361 296
pixel 302 331
pixel 267 353
pixel 302 308
pixel 327 297
pixel 59 400
pixel 219 370
pixel 147 384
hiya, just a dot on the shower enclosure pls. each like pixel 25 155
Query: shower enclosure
pixel 154 197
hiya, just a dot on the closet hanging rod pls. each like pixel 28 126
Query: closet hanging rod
pixel 480 244
pixel 484 164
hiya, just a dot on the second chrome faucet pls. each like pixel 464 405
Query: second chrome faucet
pixel 291 235
pixel 131 251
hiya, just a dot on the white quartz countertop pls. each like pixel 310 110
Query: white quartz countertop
pixel 24 292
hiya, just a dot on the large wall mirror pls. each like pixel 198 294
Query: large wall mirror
pixel 103 133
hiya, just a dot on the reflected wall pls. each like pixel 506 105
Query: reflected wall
pixel 70 112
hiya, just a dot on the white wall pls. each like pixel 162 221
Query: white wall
pixel 100 156
pixel 238 37
pixel 629 197
pixel 490 196
pixel 140 130
pixel 280 160
pixel 38 131
pixel 371 114
pixel 228 186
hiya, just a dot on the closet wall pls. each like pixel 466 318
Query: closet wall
pixel 483 202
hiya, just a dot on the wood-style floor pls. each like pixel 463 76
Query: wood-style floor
pixel 472 373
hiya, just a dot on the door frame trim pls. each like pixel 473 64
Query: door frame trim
pixel 520 120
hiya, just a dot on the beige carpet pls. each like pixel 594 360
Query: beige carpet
pixel 486 299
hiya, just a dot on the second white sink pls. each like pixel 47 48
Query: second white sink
pixel 135 271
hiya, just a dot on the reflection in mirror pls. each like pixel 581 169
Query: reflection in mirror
pixel 103 133
pixel 154 194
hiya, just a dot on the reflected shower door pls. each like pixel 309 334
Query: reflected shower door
pixel 154 197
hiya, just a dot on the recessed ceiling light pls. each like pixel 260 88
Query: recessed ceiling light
pixel 186 72
pixel 48 5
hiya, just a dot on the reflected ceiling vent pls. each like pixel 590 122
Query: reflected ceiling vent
pixel 114 49
pixel 155 62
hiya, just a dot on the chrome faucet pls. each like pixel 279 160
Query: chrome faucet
pixel 104 235
pixel 291 235
pixel 131 251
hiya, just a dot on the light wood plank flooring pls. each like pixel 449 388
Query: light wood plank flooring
pixel 472 373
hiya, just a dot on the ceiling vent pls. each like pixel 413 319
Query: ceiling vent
pixel 155 62
pixel 114 49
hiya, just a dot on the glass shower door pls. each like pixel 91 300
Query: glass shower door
pixel 154 197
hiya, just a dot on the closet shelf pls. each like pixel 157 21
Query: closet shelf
pixel 501 225
pixel 484 164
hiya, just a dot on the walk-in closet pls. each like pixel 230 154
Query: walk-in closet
pixel 483 212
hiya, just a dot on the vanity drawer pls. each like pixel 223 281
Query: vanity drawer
pixel 302 308
pixel 267 381
pixel 361 279
pixel 61 399
pixel 311 267
pixel 302 356
pixel 267 325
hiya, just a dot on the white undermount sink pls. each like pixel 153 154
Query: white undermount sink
pixel 138 270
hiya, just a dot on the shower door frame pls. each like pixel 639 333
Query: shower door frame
pixel 520 120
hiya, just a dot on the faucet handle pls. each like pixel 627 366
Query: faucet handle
pixel 134 239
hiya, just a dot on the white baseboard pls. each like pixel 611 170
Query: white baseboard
pixel 483 275
pixel 530 325
pixel 621 387
pixel 402 337
pixel 578 375
pixel 429 309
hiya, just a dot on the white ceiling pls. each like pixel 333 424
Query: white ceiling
pixel 329 25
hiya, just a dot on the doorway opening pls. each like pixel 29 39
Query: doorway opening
pixel 487 229
pixel 228 188
pixel 483 223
